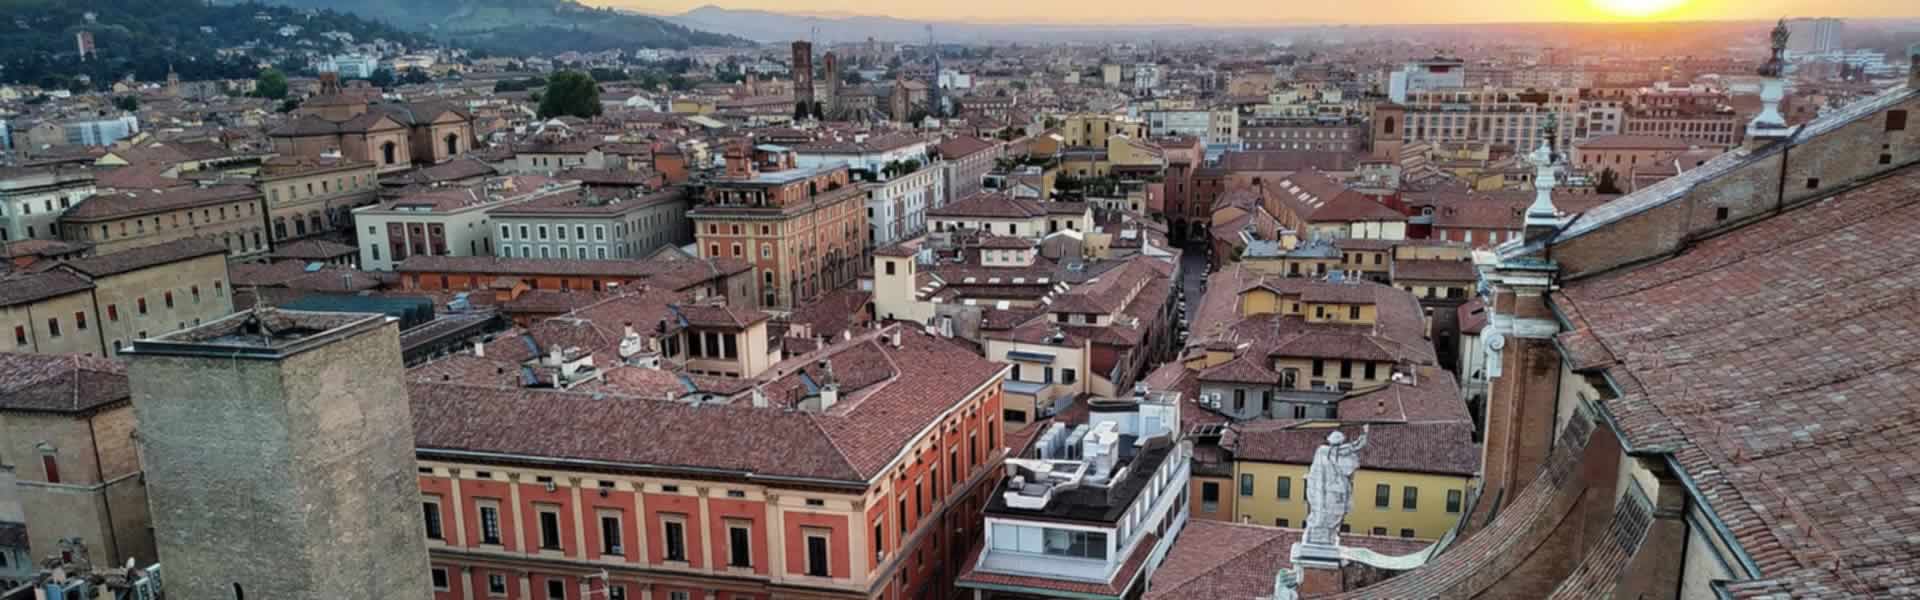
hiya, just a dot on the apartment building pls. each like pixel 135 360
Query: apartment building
pixel 700 278
pixel 229 214
pixel 67 430
pixel 1414 475
pixel 1512 117
pixel 1090 508
pixel 591 224
pixel 32 198
pixel 887 445
pixel 1303 133
pixel 1003 214
pixel 964 164
pixel 99 305
pixel 445 221
pixel 314 195
pixel 803 229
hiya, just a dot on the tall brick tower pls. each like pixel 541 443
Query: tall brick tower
pixel 279 455
pixel 802 79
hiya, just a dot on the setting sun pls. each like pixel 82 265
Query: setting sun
pixel 1636 9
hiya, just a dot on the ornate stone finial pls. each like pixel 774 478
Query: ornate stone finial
pixel 1541 215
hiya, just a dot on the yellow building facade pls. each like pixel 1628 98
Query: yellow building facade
pixel 1392 503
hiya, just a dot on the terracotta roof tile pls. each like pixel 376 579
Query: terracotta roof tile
pixel 1809 344
pixel 60 383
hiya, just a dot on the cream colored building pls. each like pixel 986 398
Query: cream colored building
pixel 227 214
pixel 98 305
pixel 310 196
pixel 76 462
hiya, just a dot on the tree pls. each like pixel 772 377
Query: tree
pixel 382 78
pixel 271 84
pixel 415 76
pixel 1609 182
pixel 852 77
pixel 127 103
pixel 604 74
pixel 570 93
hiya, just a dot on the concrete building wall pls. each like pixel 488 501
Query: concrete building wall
pixel 29 327
pixel 200 292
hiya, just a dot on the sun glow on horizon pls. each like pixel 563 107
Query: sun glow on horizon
pixel 1636 9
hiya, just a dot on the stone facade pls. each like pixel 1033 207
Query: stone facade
pixel 310 443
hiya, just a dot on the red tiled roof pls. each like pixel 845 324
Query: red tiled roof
pixel 1786 346
pixel 961 147
pixel 134 203
pixel 1231 561
pixel 1444 448
pixel 22 288
pixel 1434 270
pixel 146 256
pixel 60 383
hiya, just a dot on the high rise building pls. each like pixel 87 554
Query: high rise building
pixel 1808 36
pixel 279 456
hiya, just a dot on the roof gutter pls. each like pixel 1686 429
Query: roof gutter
pixel 502 457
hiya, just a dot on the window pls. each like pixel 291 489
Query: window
pixel 739 546
pixel 889 265
pixel 141 303
pixel 1371 369
pixel 1283 488
pixel 51 465
pixel 1067 376
pixel 20 335
pixel 1010 415
pixel 496 584
pixel 1410 498
pixel 676 540
pixel 1279 522
pixel 53 327
pixel 1382 496
pixel 549 527
pixel 439 579
pixel 616 592
pixel 610 535
pixel 678 595
pixel 1319 367
pixel 1239 400
pixel 1453 501
pixel 556 589
pixel 1720 213
pixel 432 510
pixel 1896 120
pixel 1353 313
pixel 1406 533
pixel 80 321
pixel 817 556
pixel 490 524
pixel 1379 531
pixel 1246 485
pixel 1813 183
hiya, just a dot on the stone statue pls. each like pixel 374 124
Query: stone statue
pixel 1330 486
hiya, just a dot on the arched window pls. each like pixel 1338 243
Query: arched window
pixel 1389 126
pixel 386 152
pixel 453 144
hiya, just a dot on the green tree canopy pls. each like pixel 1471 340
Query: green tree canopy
pixel 271 84
pixel 570 93
pixel 127 103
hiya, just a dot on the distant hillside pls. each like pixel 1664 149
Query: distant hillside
pixel 145 37
pixel 526 26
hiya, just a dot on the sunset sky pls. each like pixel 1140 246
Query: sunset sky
pixel 1344 11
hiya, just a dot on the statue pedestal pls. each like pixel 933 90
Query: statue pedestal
pixel 1319 568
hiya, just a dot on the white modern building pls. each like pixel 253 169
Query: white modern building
pixel 897 208
pixel 1424 75
pixel 101 132
pixel 353 66
pixel 1194 123
pixel 1091 506
pixel 32 199
pixel 1805 36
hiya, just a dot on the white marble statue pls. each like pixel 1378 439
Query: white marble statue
pixel 1330 487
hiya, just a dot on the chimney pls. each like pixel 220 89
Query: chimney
pixel 759 397
pixel 893 337
pixel 829 395
pixel 479 349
